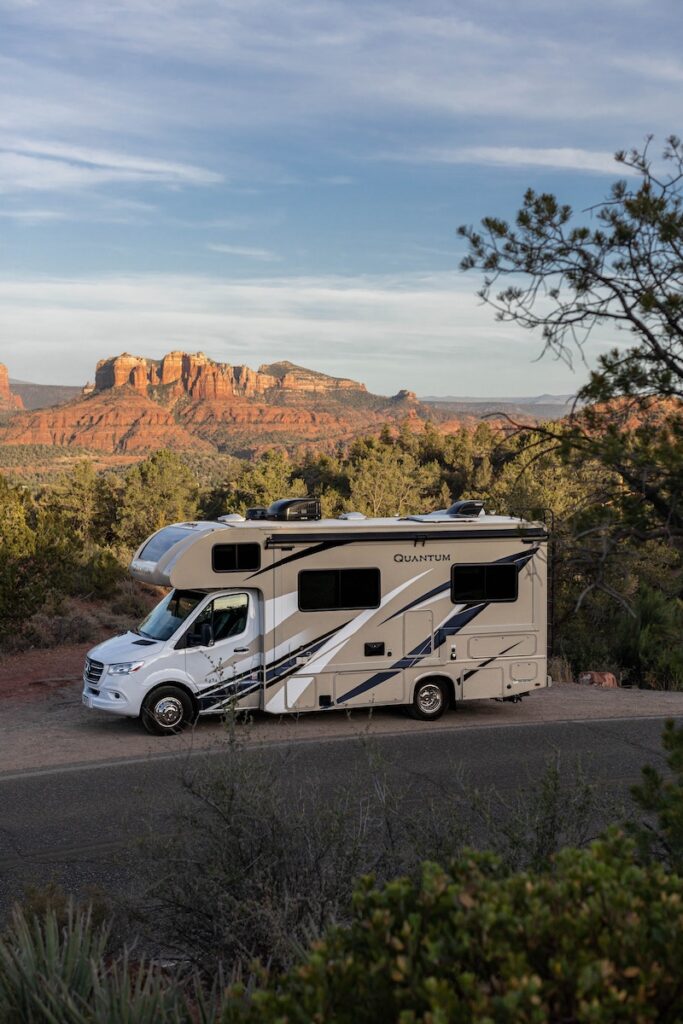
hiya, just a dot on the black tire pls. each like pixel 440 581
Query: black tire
pixel 167 711
pixel 430 700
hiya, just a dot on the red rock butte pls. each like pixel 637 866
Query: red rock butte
pixel 7 399
pixel 200 377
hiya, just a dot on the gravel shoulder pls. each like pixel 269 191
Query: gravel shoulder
pixel 44 724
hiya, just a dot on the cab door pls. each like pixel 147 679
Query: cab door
pixel 223 652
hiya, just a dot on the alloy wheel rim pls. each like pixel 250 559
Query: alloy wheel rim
pixel 168 711
pixel 429 698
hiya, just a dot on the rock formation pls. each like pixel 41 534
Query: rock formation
pixel 188 401
pixel 200 377
pixel 7 399
pixel 103 422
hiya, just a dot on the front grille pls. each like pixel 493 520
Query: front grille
pixel 93 671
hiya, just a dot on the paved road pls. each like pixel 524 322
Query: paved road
pixel 80 824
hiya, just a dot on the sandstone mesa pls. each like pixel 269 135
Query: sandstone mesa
pixel 187 401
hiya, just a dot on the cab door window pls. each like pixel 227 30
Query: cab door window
pixel 227 616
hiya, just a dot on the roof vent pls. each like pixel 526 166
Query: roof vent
pixel 352 515
pixel 232 517
pixel 256 513
pixel 294 509
pixel 466 509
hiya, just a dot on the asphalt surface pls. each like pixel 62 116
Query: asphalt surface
pixel 82 825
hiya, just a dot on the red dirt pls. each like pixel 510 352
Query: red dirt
pixel 26 676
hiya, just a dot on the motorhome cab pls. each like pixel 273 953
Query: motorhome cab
pixel 286 612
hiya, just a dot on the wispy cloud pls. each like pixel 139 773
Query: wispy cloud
pixel 562 158
pixel 264 255
pixel 47 165
pixel 269 62
pixel 34 216
pixel 389 331
pixel 661 68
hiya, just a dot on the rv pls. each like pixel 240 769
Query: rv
pixel 286 612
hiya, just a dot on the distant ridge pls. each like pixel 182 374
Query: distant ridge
pixel 535 407
pixel 40 396
pixel 507 400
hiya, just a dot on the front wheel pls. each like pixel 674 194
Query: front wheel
pixel 430 700
pixel 167 710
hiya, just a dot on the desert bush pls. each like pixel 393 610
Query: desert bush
pixel 659 834
pixel 263 861
pixel 45 630
pixel 256 869
pixel 134 600
pixel 598 939
pixel 561 808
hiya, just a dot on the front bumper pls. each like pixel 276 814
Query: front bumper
pixel 112 699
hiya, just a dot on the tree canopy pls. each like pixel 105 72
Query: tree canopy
pixel 618 269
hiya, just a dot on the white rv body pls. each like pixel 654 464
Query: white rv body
pixel 293 616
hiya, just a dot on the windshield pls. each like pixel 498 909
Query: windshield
pixel 164 620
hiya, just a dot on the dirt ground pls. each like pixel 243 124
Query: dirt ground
pixel 44 725
pixel 27 676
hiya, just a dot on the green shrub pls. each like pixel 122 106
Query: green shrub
pixel 660 835
pixel 52 973
pixel 598 939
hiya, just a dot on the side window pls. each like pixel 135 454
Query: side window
pixel 335 589
pixel 236 557
pixel 227 615
pixel 483 582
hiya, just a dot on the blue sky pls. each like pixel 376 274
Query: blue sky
pixel 263 180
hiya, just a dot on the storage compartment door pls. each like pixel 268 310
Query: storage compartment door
pixel 363 689
pixel 483 682
pixel 418 638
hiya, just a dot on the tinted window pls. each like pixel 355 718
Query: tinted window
pixel 472 583
pixel 236 557
pixel 162 542
pixel 331 589
pixel 227 615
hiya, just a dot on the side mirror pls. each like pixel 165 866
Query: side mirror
pixel 206 634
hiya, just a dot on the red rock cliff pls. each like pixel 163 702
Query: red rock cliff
pixel 200 377
pixel 7 399
pixel 188 401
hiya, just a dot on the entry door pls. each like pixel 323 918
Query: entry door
pixel 230 666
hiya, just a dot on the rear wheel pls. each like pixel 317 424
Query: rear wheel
pixel 167 710
pixel 430 700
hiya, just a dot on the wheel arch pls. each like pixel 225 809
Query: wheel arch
pixel 181 686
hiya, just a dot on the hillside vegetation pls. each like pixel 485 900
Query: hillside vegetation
pixel 617 606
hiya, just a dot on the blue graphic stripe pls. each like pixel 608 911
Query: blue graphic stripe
pixel 230 691
pixel 483 664
pixel 413 658
pixel 282 666
pixel 449 628
pixel 279 669
pixel 324 546
pixel 441 589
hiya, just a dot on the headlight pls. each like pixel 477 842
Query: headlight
pixel 124 667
